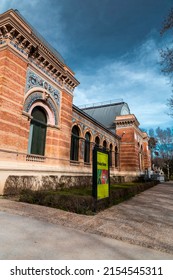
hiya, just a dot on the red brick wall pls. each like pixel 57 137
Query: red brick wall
pixel 58 140
pixel 13 126
pixel 147 156
pixel 128 149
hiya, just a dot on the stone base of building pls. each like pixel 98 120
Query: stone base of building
pixel 15 178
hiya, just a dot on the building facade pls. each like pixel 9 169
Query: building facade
pixel 44 139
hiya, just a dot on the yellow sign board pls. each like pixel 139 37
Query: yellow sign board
pixel 102 175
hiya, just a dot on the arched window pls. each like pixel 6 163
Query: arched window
pixel 87 148
pixel 74 152
pixel 110 154
pixel 104 144
pixel 116 157
pixel 97 141
pixel 38 129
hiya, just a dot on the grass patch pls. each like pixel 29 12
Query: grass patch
pixel 124 185
pixel 76 191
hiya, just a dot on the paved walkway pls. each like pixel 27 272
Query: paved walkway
pixel 25 238
pixel 145 220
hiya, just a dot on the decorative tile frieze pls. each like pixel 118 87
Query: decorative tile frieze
pixel 18 48
pixel 94 132
pixel 54 110
pixel 34 80
pixel 31 99
pixel 36 96
pixel 59 82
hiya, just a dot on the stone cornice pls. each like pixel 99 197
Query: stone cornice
pixel 145 136
pixel 126 120
pixel 131 120
pixel 14 31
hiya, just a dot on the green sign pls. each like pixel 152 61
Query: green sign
pixel 100 173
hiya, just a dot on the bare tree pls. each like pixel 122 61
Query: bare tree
pixel 161 146
pixel 167 56
pixel 168 22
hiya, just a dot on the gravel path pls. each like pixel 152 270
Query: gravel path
pixel 145 220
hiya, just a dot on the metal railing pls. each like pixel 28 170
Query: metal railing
pixel 96 104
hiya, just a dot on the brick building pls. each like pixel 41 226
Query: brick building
pixel 45 139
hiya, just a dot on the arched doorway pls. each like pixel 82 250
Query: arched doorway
pixel 38 129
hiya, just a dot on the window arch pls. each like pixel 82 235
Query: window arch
pixel 104 144
pixel 97 141
pixel 74 152
pixel 38 128
pixel 87 148
pixel 36 97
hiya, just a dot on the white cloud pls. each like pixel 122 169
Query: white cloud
pixel 137 79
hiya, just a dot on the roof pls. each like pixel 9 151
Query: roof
pixel 105 114
pixel 95 121
pixel 40 37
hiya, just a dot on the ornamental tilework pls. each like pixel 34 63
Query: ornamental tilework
pixel 34 80
pixel 39 96
pixel 18 48
pixel 46 72
pixel 31 99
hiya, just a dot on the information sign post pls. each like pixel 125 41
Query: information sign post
pixel 101 174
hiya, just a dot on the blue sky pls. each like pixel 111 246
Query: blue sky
pixel 113 48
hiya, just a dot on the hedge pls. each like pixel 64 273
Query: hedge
pixel 81 204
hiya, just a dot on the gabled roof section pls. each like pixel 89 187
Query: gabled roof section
pixel 106 114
